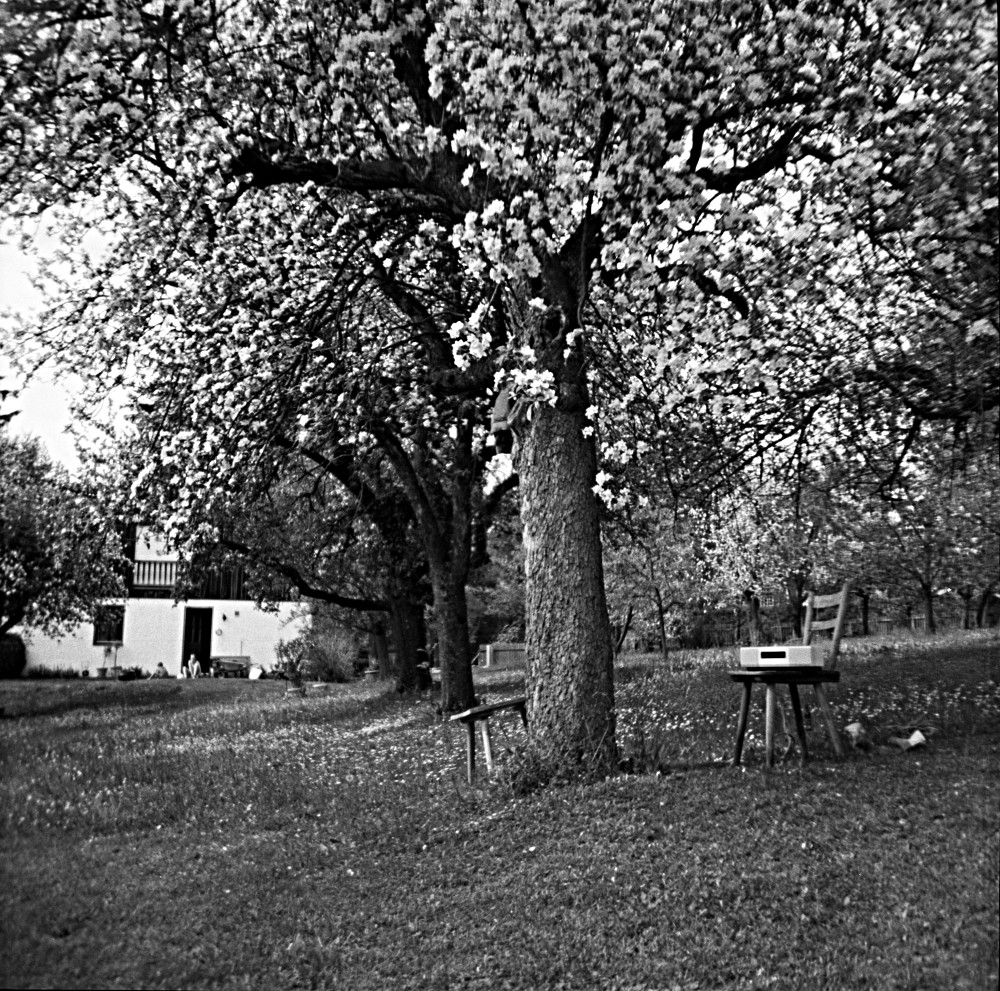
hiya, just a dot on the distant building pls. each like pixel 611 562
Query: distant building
pixel 149 627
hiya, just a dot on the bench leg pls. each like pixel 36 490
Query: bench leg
pixel 741 726
pixel 831 726
pixel 793 690
pixel 769 707
pixel 470 751
pixel 487 745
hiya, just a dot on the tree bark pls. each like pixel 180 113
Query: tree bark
pixel 378 643
pixel 661 622
pixel 409 635
pixel 965 594
pixel 865 596
pixel 452 621
pixel 569 650
pixel 753 616
pixel 796 588
pixel 621 630
pixel 984 601
pixel 442 508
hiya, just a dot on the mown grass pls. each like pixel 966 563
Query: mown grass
pixel 224 835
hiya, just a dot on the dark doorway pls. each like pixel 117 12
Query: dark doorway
pixel 197 636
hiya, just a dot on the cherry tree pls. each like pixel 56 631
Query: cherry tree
pixel 363 218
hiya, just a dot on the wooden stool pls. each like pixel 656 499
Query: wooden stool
pixel 481 714
pixel 793 677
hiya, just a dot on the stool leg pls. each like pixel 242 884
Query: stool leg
pixel 741 726
pixel 470 750
pixel 769 707
pixel 831 726
pixel 487 745
pixel 793 690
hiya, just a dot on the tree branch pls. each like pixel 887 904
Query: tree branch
pixel 350 176
pixel 773 158
pixel 304 585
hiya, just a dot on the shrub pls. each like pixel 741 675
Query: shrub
pixel 13 656
pixel 39 673
pixel 317 656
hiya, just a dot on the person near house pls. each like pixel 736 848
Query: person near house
pixel 194 667
pixel 160 672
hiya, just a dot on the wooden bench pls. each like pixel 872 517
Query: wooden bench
pixel 481 714
pixel 226 665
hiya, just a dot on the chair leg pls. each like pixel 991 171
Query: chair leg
pixel 487 745
pixel 470 751
pixel 769 707
pixel 741 726
pixel 831 726
pixel 793 691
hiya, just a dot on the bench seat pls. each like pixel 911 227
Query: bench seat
pixel 481 714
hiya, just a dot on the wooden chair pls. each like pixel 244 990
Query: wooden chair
pixel 795 676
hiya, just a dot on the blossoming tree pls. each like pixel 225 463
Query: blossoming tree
pixel 360 219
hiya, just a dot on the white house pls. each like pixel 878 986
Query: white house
pixel 149 627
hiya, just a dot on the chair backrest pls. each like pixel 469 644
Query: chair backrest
pixel 820 603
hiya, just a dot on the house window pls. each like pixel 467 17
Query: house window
pixel 109 625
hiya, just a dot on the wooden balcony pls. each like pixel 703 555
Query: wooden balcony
pixel 154 574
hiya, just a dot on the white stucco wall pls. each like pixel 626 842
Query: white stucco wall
pixel 154 632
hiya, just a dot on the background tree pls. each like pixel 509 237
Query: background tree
pixel 60 555
pixel 932 532
pixel 339 544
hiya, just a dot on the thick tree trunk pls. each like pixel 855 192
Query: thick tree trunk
pixel 569 651
pixel 409 635
pixel 452 621
pixel 444 515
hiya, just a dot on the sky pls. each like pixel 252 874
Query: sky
pixel 43 404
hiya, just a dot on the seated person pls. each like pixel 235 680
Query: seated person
pixel 160 672
pixel 194 667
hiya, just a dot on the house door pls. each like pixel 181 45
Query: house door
pixel 197 636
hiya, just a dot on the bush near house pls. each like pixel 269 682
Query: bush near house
pixel 318 655
pixel 47 674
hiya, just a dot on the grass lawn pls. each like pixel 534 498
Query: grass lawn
pixel 220 834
